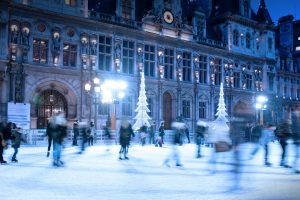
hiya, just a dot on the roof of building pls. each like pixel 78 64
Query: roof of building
pixel 263 15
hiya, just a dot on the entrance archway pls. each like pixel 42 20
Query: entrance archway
pixel 167 110
pixel 51 102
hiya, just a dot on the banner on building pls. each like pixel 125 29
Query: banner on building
pixel 19 113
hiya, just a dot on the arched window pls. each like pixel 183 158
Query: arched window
pixel 248 39
pixel 236 37
pixel 126 9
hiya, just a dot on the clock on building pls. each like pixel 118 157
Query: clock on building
pixel 168 17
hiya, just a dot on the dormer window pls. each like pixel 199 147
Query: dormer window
pixel 126 9
pixel 246 8
pixel 236 37
pixel 248 39
pixel 270 44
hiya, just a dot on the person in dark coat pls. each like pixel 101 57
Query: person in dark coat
pixel 161 132
pixel 201 131
pixel 283 132
pixel 6 135
pixel 58 132
pixel 296 137
pixel 76 133
pixel 49 137
pixel 187 133
pixel 16 143
pixel 143 134
pixel 152 133
pixel 125 135
pixel 2 143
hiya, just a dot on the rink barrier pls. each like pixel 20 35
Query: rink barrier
pixel 38 136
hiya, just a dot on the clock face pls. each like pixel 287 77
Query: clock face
pixel 168 17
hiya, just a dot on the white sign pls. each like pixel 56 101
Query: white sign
pixel 19 113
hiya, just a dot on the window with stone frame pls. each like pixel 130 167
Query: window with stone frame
pixel 149 60
pixel 270 44
pixel 127 106
pixel 69 54
pixel 186 108
pixel 169 64
pixel 126 9
pixel 248 41
pixel 285 91
pixel 236 79
pixel 218 71
pixel 150 106
pixel 105 53
pixel 203 69
pixel 298 93
pixel 271 81
pixel 186 66
pixel 292 92
pixel 249 81
pixel 40 51
pixel 246 8
pixel 236 37
pixel 202 110
pixel 104 109
pixel 128 57
pixel 70 3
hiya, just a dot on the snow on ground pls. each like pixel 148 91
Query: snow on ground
pixel 99 174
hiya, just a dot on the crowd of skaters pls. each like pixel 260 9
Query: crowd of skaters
pixel 262 135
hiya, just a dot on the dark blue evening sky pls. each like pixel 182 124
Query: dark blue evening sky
pixel 279 8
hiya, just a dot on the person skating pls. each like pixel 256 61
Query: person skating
pixel 49 137
pixel 76 133
pixel 296 138
pixel 201 131
pixel 161 132
pixel 283 132
pixel 152 133
pixel 16 143
pixel 143 134
pixel 125 135
pixel 3 144
pixel 5 136
pixel 91 134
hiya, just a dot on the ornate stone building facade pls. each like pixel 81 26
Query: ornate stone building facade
pixel 50 49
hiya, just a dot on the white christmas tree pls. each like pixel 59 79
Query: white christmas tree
pixel 142 118
pixel 219 130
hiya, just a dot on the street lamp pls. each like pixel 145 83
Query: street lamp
pixel 93 89
pixel 112 90
pixel 261 106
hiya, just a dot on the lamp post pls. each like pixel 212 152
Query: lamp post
pixel 93 90
pixel 261 106
pixel 112 91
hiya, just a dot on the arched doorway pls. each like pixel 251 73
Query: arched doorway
pixel 51 102
pixel 167 110
pixel 242 109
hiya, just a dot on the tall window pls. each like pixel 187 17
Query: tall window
pixel 186 66
pixel 126 106
pixel 149 64
pixel 70 54
pixel 103 109
pixel 236 37
pixel 246 8
pixel 70 2
pixel 150 106
pixel 202 110
pixel 128 57
pixel 271 82
pixel 270 44
pixel 40 51
pixel 236 79
pixel 298 93
pixel 248 41
pixel 249 81
pixel 169 63
pixel 186 106
pixel 203 69
pixel 126 9
pixel 105 53
pixel 218 72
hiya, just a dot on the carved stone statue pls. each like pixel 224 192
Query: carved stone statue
pixel 25 37
pixel 14 34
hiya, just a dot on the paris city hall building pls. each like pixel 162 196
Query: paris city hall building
pixel 50 49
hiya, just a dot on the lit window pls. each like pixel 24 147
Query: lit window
pixel 298 48
pixel 299 38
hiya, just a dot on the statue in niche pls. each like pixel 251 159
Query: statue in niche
pixel 14 34
pixel 25 37
pixel 93 48
pixel 179 61
pixel 18 85
pixel 118 51
pixel 139 56
pixel 56 44
pixel 84 47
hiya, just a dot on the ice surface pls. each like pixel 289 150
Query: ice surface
pixel 98 174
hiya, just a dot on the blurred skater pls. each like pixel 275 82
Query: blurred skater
pixel 125 133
